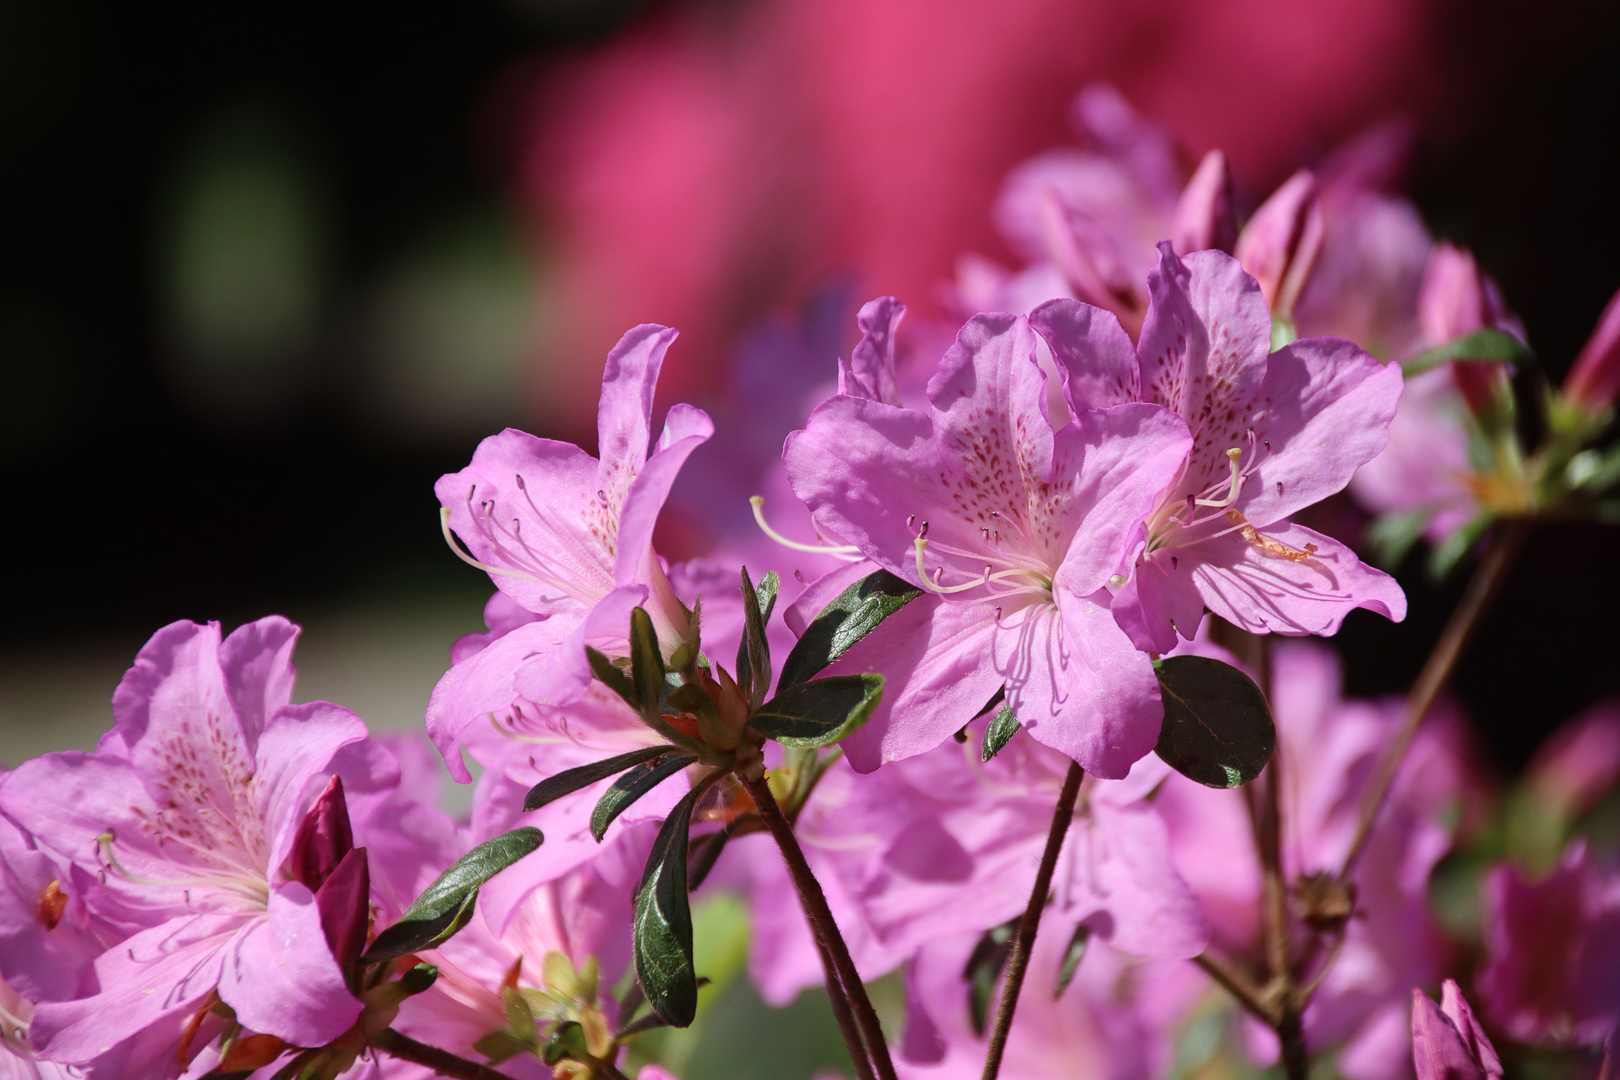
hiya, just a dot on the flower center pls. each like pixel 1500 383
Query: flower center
pixel 1008 571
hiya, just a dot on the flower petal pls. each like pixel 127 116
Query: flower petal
pixel 280 977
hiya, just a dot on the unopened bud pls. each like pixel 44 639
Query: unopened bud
pixel 1204 218
pixel 1594 382
pixel 324 838
pixel 1279 245
pixel 1454 301
pixel 344 903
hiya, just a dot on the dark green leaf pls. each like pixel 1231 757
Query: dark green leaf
pixel 611 677
pixel 1217 726
pixel 631 786
pixel 663 921
pixel 571 780
pixel 419 979
pixel 1482 346
pixel 1071 959
pixel 1002 728
pixel 445 906
pixel 705 853
pixel 819 713
pixel 754 652
pixel 646 662
pixel 855 613
pixel 983 969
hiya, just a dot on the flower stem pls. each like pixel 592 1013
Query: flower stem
pixel 864 1036
pixel 440 1061
pixel 1024 937
pixel 1476 599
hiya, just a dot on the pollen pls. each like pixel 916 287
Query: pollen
pixel 1266 543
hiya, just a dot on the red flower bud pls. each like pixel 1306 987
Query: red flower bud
pixel 324 838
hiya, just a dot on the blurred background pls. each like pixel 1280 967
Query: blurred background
pixel 267 270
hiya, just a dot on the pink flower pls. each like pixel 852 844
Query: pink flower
pixel 568 538
pixel 1579 764
pixel 1273 433
pixel 195 813
pixel 1447 1042
pixel 1553 951
pixel 1023 518
pixel 1329 747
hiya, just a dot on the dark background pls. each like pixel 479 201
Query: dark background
pixel 131 503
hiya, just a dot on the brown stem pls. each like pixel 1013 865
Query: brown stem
pixel 1238 984
pixel 841 1013
pixel 441 1062
pixel 1267 808
pixel 867 1028
pixel 1482 589
pixel 1024 938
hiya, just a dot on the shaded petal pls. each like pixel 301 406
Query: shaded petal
pixel 165 971
pixel 257 663
pixel 869 372
pixel 483 684
pixel 1160 598
pixel 176 675
pixel 624 412
pixel 1094 354
pixel 1327 410
pixel 938 658
pixel 298 745
pixel 1121 882
pixel 1090 694
pixel 561 676
pixel 1203 351
pixel 685 429
pixel 1438 1050
pixel 280 977
pixel 1262 592
pixel 1204 218
pixel 530 507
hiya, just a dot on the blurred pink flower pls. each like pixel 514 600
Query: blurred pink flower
pixel 1447 1042
pixel 1553 951
pixel 1579 763
pixel 1594 382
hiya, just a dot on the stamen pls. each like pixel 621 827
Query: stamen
pixel 1232 456
pixel 921 545
pixel 842 551
pixel 254 891
pixel 444 527
pixel 1266 543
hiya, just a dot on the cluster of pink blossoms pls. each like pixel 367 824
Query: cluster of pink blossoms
pixel 1049 562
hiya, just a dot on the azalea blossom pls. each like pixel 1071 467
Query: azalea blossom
pixel 1012 521
pixel 568 538
pixel 1273 433
pixel 199 816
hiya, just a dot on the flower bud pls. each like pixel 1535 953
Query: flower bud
pixel 1454 301
pixel 1594 382
pixel 344 902
pixel 1279 245
pixel 1204 218
pixel 1447 1042
pixel 324 838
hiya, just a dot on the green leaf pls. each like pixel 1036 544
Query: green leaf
pixel 1002 728
pixel 983 969
pixel 445 906
pixel 855 613
pixel 754 652
pixel 819 713
pixel 611 677
pixel 1394 535
pixel 1217 726
pixel 571 780
pixel 499 1047
pixel 646 662
pixel 631 786
pixel 1071 959
pixel 1485 346
pixel 1454 548
pixel 663 921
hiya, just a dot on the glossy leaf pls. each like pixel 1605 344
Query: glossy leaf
pixel 1217 726
pixel 446 905
pixel 983 969
pixel 571 780
pixel 1071 959
pixel 614 679
pixel 754 651
pixel 631 786
pixel 646 662
pixel 855 613
pixel 663 921
pixel 819 713
pixel 1484 346
pixel 1002 728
